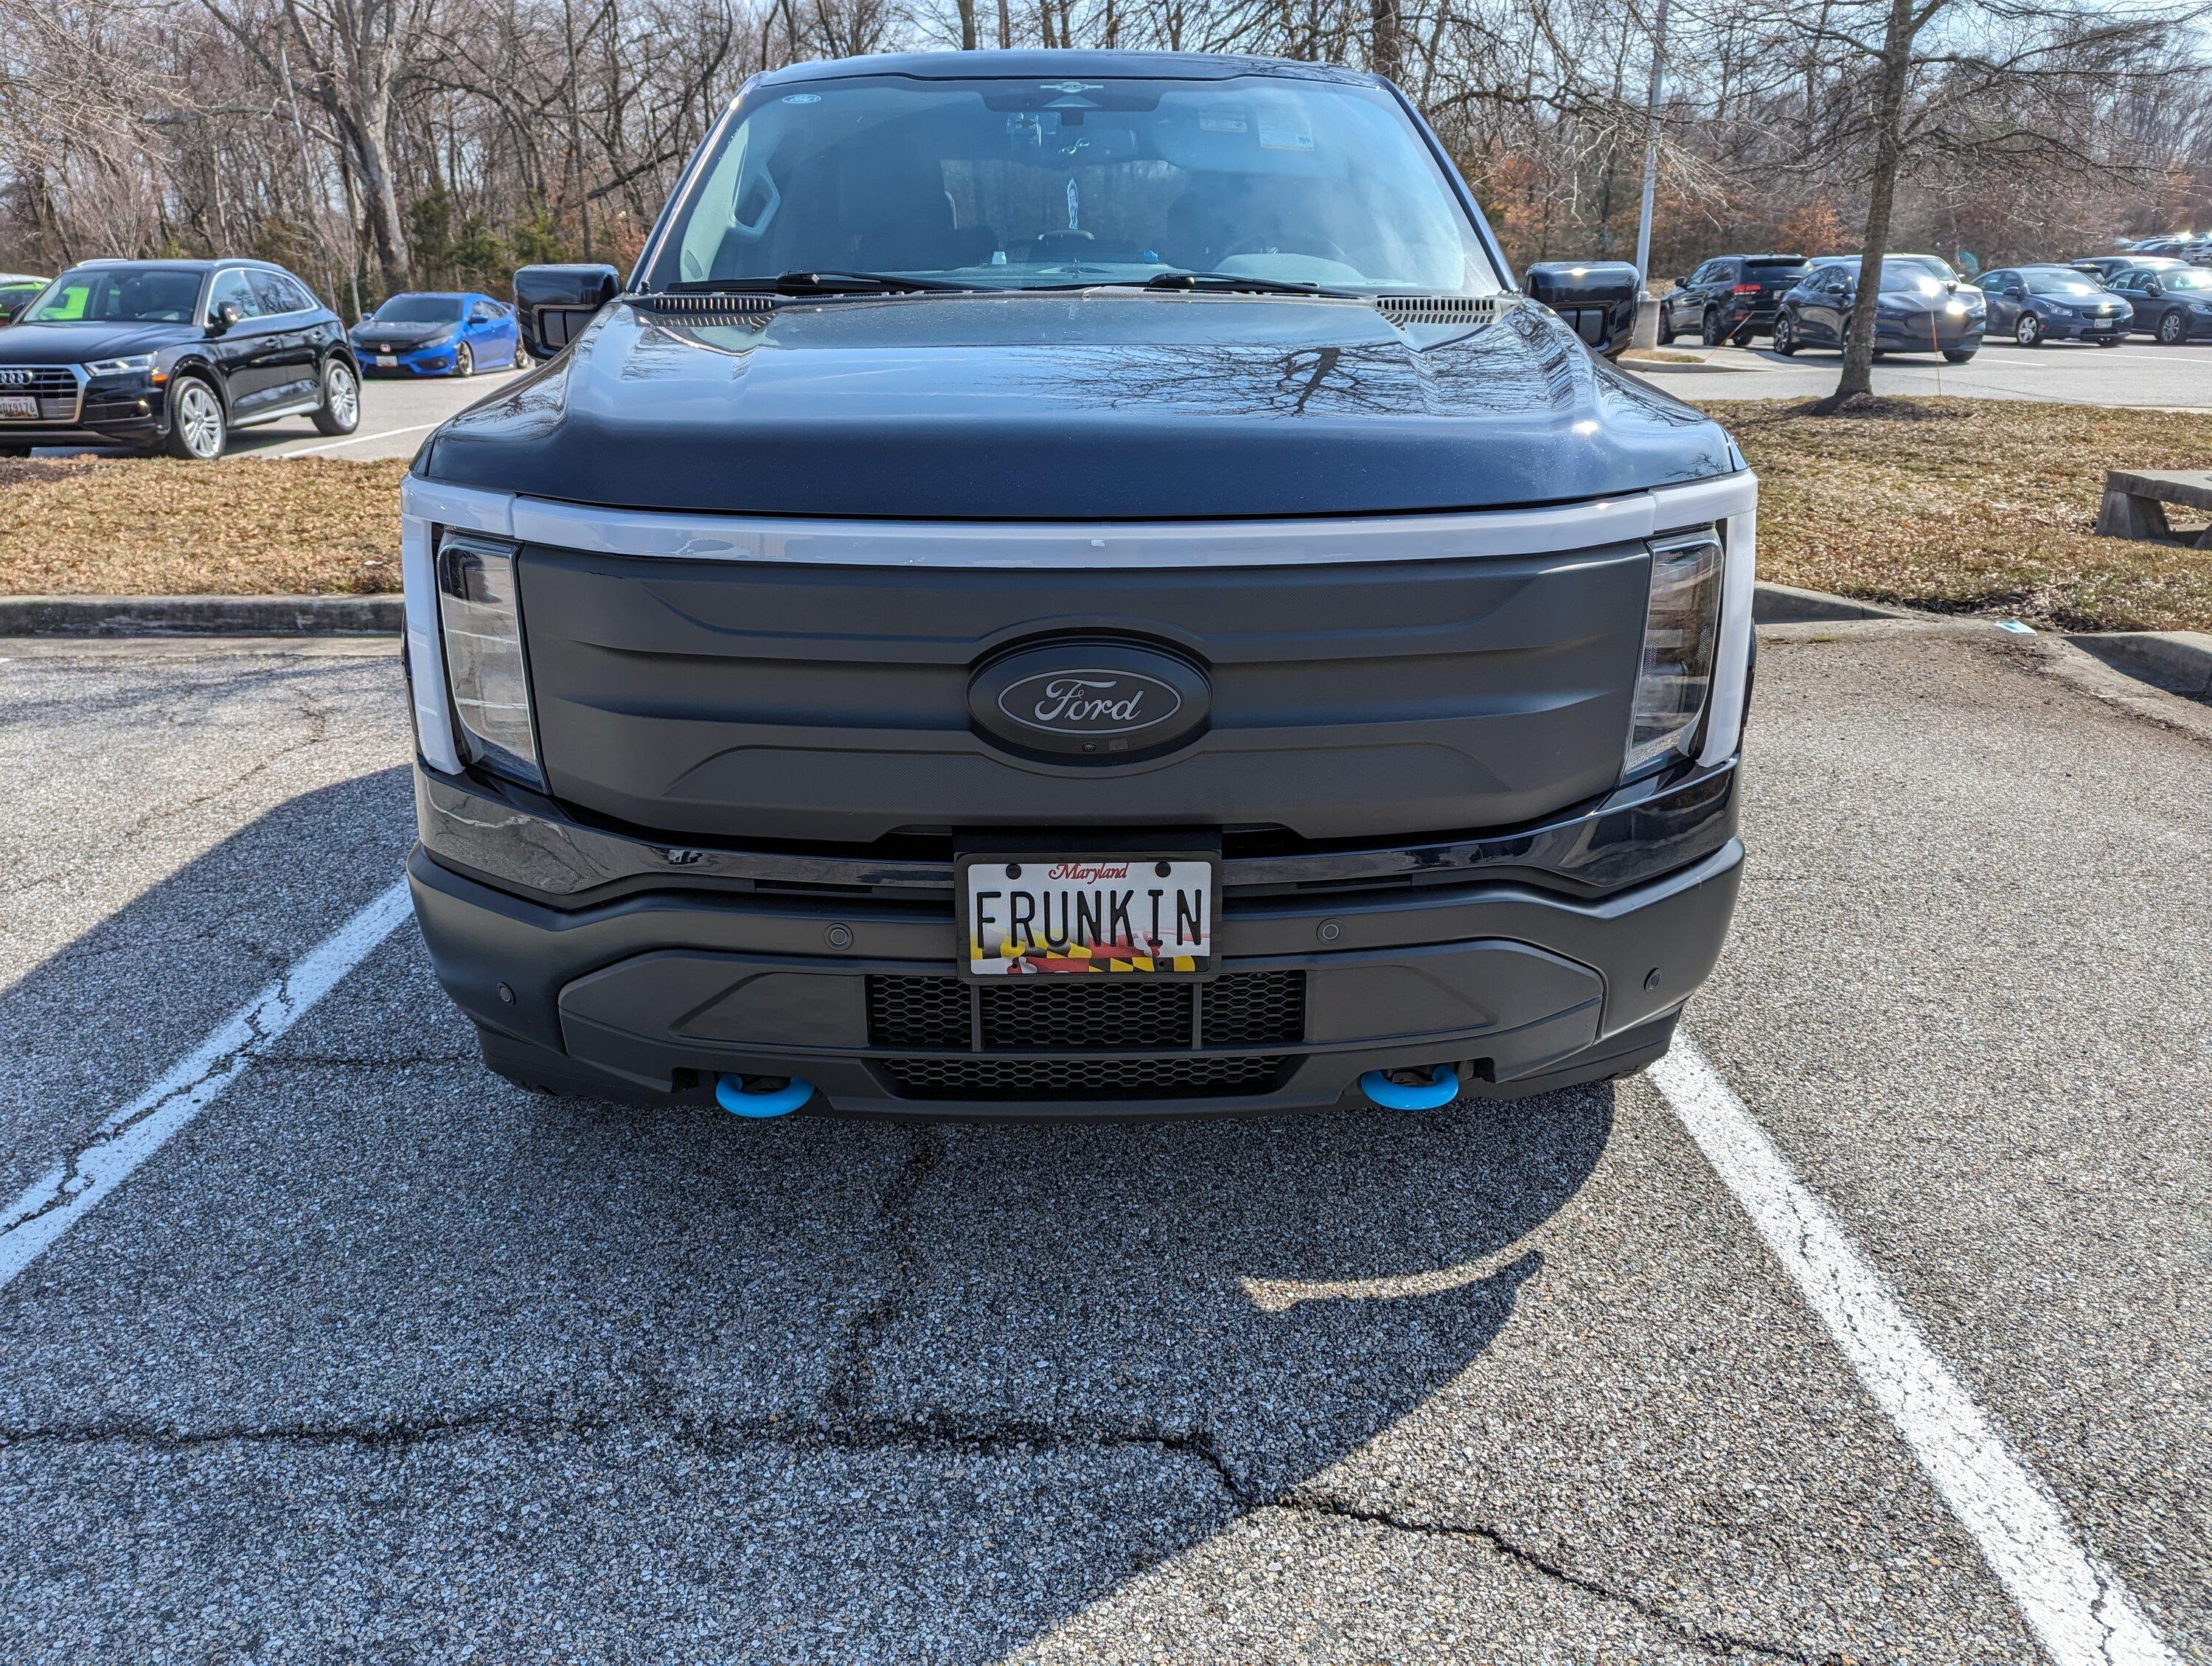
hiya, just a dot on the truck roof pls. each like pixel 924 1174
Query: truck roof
pixel 1038 65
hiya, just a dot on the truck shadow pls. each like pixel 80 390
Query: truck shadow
pixel 936 1390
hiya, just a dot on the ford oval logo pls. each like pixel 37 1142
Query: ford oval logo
pixel 1108 702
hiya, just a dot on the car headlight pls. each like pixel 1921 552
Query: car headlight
pixel 480 616
pixel 1955 308
pixel 1681 631
pixel 132 364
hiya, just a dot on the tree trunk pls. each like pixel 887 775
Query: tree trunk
pixel 1386 52
pixel 966 25
pixel 1881 194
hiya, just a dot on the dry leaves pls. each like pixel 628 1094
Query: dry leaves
pixel 1978 506
pixel 159 526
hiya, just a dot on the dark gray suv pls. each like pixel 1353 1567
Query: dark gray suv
pixel 1070 583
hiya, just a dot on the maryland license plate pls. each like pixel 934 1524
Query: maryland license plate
pixel 1133 915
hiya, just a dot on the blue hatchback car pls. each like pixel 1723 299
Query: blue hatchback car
pixel 439 334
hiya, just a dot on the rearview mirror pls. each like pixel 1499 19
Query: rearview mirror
pixel 1597 299
pixel 552 304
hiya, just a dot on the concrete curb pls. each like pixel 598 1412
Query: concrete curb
pixel 1784 604
pixel 200 616
pixel 2178 661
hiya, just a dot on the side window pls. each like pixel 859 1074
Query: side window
pixel 231 288
pixel 483 313
pixel 1704 274
pixel 298 293
pixel 269 293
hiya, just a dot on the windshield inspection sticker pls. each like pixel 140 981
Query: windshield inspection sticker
pixel 1222 121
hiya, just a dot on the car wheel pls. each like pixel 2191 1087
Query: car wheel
pixel 197 429
pixel 521 354
pixel 1742 337
pixel 1785 336
pixel 1959 355
pixel 465 362
pixel 1666 325
pixel 2173 330
pixel 340 411
pixel 1709 330
pixel 2028 332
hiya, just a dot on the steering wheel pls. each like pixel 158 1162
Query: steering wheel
pixel 1324 247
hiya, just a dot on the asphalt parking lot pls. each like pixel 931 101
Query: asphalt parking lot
pixel 378 1358
pixel 2139 374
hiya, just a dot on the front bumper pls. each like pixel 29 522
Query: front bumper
pixel 2085 329
pixel 1527 960
pixel 115 413
pixel 416 361
pixel 1915 335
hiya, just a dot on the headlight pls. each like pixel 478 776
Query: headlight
pixel 1955 308
pixel 1681 629
pixel 480 615
pixel 124 367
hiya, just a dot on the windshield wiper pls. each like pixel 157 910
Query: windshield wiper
pixel 1233 282
pixel 810 283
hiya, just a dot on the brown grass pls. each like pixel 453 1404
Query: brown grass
pixel 1974 506
pixel 158 526
pixel 1955 504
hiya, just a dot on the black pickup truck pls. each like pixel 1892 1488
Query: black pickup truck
pixel 1071 583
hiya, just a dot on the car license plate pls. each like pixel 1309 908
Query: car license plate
pixel 18 408
pixel 388 362
pixel 1116 913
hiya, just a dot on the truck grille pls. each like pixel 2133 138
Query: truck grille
pixel 1185 1078
pixel 53 386
pixel 1086 1014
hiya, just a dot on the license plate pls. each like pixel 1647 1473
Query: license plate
pixel 18 408
pixel 386 362
pixel 1133 915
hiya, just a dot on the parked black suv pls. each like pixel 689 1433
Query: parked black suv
pixel 1731 298
pixel 1071 582
pixel 172 353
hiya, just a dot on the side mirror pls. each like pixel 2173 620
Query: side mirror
pixel 552 304
pixel 226 318
pixel 1597 299
pixel 2153 287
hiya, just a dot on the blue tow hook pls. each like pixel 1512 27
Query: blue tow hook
pixel 1441 1089
pixel 730 1093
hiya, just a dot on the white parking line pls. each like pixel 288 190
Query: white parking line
pixel 350 439
pixel 72 1190
pixel 2079 1608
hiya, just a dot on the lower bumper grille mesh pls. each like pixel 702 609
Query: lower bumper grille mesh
pixel 1087 1014
pixel 975 1028
pixel 982 1077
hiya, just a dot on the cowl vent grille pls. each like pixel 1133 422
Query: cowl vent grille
pixel 707 306
pixel 1441 309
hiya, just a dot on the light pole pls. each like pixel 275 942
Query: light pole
pixel 1657 90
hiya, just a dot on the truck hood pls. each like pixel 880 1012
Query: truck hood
pixel 1104 404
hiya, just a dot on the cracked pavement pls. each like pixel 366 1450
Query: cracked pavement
pixel 382 1360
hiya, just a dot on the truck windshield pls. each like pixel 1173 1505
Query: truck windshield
pixel 994 184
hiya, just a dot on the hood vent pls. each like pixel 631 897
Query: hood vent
pixel 1441 309
pixel 732 305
